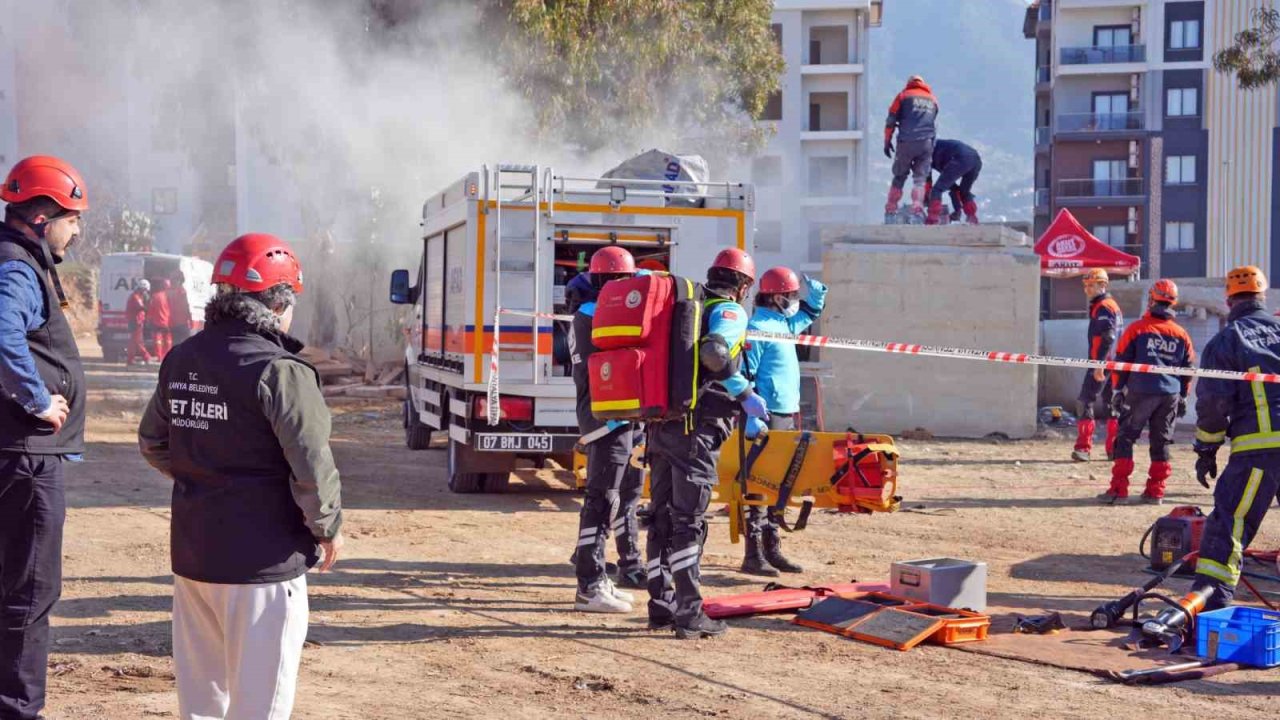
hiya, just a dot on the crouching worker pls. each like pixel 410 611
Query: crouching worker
pixel 239 423
pixel 1249 414
pixel 1149 400
pixel 613 486
pixel 776 371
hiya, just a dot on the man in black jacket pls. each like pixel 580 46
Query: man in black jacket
pixel 239 422
pixel 41 417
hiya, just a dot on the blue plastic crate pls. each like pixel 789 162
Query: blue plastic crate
pixel 1245 635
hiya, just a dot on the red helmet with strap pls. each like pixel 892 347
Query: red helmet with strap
pixel 45 176
pixel 257 262
pixel 1164 291
pixel 612 260
pixel 779 280
pixel 736 260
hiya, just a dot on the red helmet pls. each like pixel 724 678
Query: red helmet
pixel 257 262
pixel 779 280
pixel 45 176
pixel 612 260
pixel 1164 291
pixel 736 260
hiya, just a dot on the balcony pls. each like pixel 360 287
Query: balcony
pixel 1094 55
pixel 1120 191
pixel 1042 201
pixel 1100 123
pixel 1042 75
pixel 1042 139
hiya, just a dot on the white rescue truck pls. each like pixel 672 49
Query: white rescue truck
pixel 511 237
pixel 119 277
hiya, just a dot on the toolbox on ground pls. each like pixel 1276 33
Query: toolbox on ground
pixel 947 582
pixel 1239 634
pixel 892 621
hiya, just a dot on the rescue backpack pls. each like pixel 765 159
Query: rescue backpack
pixel 646 332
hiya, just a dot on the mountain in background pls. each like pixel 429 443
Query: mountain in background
pixel 982 69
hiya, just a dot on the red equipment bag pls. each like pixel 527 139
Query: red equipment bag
pixel 631 330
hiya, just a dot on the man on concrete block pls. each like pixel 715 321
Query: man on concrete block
pixel 776 371
pixel 613 486
pixel 683 453
pixel 1249 414
pixel 913 114
pixel 959 166
pixel 1105 321
pixel 239 423
pixel 41 417
pixel 1149 400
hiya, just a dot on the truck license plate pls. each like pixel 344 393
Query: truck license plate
pixel 513 442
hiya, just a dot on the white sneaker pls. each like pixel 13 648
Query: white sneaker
pixel 601 601
pixel 608 586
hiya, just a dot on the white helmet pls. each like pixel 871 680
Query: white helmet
pixel 145 284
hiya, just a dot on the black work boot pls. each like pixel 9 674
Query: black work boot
pixel 753 563
pixel 701 626
pixel 773 553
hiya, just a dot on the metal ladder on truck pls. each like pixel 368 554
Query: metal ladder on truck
pixel 523 182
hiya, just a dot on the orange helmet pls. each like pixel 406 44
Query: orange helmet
pixel 1164 291
pixel 1247 279
pixel 45 176
pixel 1096 275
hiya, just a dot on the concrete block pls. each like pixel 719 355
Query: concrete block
pixel 967 287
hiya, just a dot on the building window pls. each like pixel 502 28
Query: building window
pixel 829 176
pixel 1184 34
pixel 164 201
pixel 767 171
pixel 773 107
pixel 1113 235
pixel 1182 102
pixel 777 35
pixel 768 236
pixel 1180 170
pixel 1179 236
pixel 1112 36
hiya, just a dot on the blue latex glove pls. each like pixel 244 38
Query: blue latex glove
pixel 755 426
pixel 614 424
pixel 755 407
pixel 815 285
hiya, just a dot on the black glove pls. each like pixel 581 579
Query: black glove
pixel 1182 407
pixel 1119 403
pixel 888 149
pixel 1206 463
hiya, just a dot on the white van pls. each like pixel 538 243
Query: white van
pixel 119 277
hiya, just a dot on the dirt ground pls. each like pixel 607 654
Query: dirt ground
pixel 460 606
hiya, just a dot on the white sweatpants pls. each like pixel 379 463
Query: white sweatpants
pixel 236 648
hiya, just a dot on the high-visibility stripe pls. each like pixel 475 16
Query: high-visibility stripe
pixel 611 405
pixel 1260 402
pixel 1230 572
pixel 617 331
pixel 1208 437
pixel 1216 570
pixel 1255 441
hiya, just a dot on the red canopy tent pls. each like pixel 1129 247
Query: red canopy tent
pixel 1067 250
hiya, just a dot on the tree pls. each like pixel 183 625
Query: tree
pixel 1253 57
pixel 600 72
pixel 111 229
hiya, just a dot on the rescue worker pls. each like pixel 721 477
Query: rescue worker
pixel 158 319
pixel 135 309
pixel 1105 321
pixel 179 310
pixel 1149 400
pixel 41 417
pixel 683 455
pixel 914 114
pixel 1248 413
pixel 776 371
pixel 240 425
pixel 959 166
pixel 613 485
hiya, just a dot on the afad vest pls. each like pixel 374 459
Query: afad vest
pixel 57 359
pixel 234 517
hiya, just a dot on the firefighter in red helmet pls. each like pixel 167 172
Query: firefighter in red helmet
pixel 41 416
pixel 240 425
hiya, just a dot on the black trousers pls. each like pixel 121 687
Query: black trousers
pixel 682 477
pixel 1090 390
pixel 958 174
pixel 1243 494
pixel 758 520
pixel 32 511
pixel 1157 411
pixel 607 465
